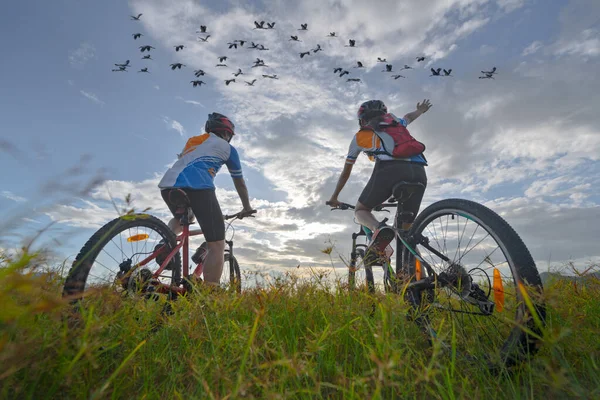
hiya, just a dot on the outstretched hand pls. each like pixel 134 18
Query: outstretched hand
pixel 424 106
pixel 333 202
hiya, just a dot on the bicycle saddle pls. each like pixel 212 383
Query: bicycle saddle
pixel 403 190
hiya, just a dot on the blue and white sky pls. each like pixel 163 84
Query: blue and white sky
pixel 526 144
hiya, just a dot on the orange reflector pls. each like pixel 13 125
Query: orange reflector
pixel 417 269
pixel 498 290
pixel 138 238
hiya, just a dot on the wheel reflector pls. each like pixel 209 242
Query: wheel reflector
pixel 417 269
pixel 498 290
pixel 138 238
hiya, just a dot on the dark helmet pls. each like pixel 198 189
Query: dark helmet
pixel 219 124
pixel 370 109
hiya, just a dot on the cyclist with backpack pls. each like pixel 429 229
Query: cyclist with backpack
pixel 398 157
pixel 194 173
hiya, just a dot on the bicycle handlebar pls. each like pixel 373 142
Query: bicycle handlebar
pixel 240 215
pixel 346 206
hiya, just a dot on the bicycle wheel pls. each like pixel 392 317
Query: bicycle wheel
pixel 110 258
pixel 360 274
pixel 231 277
pixel 483 312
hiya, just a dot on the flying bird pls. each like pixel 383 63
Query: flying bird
pixel 398 76
pixel 406 67
pixel 241 42
pixel 487 76
pixel 136 36
pixel 203 39
pixel 134 18
pixel 306 53
pixel 337 69
pixel 232 45
pixel 270 76
pixel 379 59
pixel 351 43
pixel 177 66
pixel 344 73
pixel 222 58
pixel 270 25
pixel 199 73
pixel 492 71
pixel 147 57
pixel 221 65
pixel 146 48
pixel 250 83
pixel 179 47
pixel 317 49
pixel 359 65
pixel 303 27
pixel 259 26
pixel 353 80
pixel 331 34
pixel 202 29
pixel 121 69
pixel 197 83
pixel 435 72
pixel 144 70
pixel 262 47
pixel 228 81
pixel 419 59
pixel 388 68
pixel 447 72
pixel 124 65
pixel 295 39
pixel 239 72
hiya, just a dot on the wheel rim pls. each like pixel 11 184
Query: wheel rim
pixel 470 244
pixel 112 257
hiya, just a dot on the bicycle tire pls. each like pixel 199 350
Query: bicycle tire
pixel 369 282
pixel 234 271
pixel 519 344
pixel 76 279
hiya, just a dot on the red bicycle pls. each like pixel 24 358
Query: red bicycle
pixel 138 254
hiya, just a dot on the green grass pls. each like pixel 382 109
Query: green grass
pixel 291 340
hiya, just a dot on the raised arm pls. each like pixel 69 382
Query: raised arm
pixel 421 109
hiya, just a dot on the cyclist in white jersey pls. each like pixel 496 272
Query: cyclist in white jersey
pixel 194 172
pixel 387 172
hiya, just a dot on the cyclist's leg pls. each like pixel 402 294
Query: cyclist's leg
pixel 375 193
pixel 173 224
pixel 208 212
pixel 414 173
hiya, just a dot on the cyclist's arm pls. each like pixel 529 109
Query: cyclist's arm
pixel 234 166
pixel 421 109
pixel 240 186
pixel 342 181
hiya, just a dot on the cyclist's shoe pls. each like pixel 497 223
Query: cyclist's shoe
pixel 382 237
pixel 162 256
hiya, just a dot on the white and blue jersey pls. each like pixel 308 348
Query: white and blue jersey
pixel 201 159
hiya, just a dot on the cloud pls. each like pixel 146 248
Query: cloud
pixel 586 45
pixel 92 97
pixel 526 144
pixel 11 196
pixel 81 55
pixel 175 125
pixel 193 102
pixel 532 48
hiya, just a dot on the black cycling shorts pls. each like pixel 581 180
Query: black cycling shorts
pixel 206 208
pixel 386 175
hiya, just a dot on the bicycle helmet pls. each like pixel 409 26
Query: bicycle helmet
pixel 370 109
pixel 219 124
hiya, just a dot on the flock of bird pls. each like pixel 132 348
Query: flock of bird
pixel 259 63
